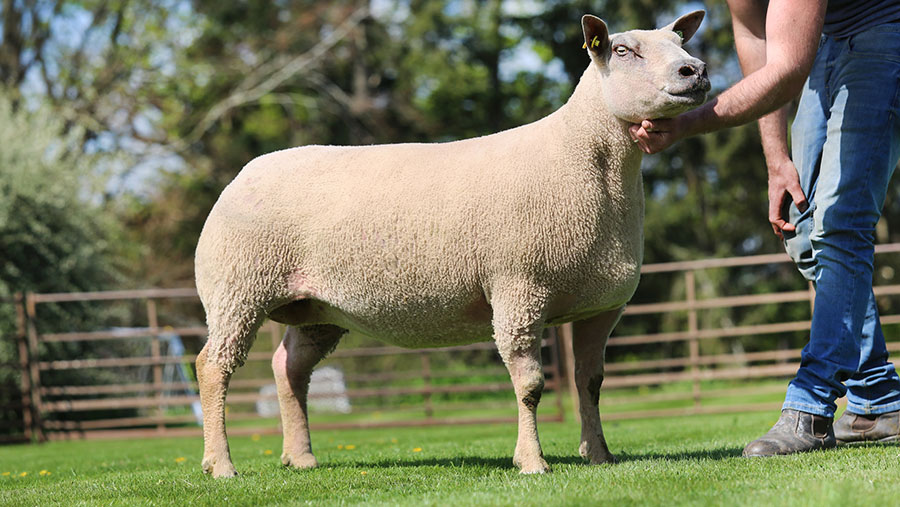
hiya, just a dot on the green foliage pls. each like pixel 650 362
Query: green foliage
pixel 55 236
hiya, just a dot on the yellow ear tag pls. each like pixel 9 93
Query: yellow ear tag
pixel 594 43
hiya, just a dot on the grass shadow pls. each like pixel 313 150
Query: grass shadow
pixel 460 461
pixel 505 463
pixel 714 454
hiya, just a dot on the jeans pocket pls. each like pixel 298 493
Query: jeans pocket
pixel 881 42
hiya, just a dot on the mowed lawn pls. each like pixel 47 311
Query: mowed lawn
pixel 683 460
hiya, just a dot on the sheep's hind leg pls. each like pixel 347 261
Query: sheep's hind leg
pixel 518 339
pixel 589 346
pixel 214 370
pixel 300 350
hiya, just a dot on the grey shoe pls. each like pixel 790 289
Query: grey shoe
pixel 794 432
pixel 857 428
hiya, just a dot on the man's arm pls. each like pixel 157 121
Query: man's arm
pixel 749 23
pixel 780 44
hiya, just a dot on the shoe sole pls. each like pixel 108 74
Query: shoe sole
pixel 885 440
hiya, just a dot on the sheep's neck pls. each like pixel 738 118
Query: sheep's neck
pixel 593 131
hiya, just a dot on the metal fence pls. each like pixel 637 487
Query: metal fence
pixel 682 365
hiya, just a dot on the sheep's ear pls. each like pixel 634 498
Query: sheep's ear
pixel 596 34
pixel 686 26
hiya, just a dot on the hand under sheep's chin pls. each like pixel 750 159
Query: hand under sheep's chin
pixel 653 136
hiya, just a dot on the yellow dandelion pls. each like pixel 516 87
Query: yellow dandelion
pixel 44 472
pixel 349 447
pixel 417 449
pixel 340 446
pixel 363 472
pixel 5 474
pixel 393 440
pixel 23 474
pixel 180 459
pixel 255 437
pixel 267 452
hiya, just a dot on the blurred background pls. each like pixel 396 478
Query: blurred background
pixel 122 120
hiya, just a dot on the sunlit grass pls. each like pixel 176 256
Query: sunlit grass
pixel 683 460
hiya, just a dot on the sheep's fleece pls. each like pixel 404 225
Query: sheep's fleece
pixel 429 245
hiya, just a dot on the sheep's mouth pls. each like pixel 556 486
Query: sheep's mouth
pixel 693 94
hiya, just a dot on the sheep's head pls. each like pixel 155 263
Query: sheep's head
pixel 646 73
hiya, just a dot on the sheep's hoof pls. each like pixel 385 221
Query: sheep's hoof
pixel 531 466
pixel 305 460
pixel 218 469
pixel 538 467
pixel 596 455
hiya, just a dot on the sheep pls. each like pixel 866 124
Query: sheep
pixel 430 245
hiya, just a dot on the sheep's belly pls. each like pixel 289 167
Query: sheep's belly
pixel 422 331
pixel 406 325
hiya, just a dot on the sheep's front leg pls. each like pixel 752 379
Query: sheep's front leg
pixel 518 340
pixel 293 363
pixel 589 346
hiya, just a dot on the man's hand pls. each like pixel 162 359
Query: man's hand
pixel 653 136
pixel 784 186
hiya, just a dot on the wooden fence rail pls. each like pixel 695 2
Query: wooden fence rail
pixel 697 378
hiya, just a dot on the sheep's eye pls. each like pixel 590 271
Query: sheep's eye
pixel 621 50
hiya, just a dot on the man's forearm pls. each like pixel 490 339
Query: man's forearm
pixel 750 99
pixel 773 132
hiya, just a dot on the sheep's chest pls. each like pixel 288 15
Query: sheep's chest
pixel 604 262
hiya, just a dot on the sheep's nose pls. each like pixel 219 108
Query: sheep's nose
pixel 693 69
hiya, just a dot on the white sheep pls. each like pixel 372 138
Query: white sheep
pixel 429 245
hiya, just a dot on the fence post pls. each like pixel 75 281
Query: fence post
pixel 694 344
pixel 34 367
pixel 557 376
pixel 275 331
pixel 565 332
pixel 155 352
pixel 24 364
pixel 426 394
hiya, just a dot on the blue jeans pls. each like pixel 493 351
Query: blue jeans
pixel 845 144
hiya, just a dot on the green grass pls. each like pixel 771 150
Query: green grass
pixel 685 460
